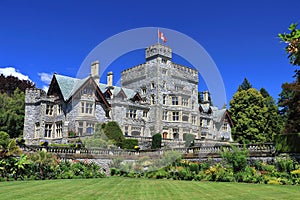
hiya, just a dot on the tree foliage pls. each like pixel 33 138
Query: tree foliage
pixel 255 117
pixel 113 132
pixel 293 43
pixel 10 83
pixel 245 85
pixel 156 141
pixel 12 111
pixel 289 99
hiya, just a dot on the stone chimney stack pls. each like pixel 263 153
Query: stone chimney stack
pixel 95 71
pixel 206 98
pixel 110 79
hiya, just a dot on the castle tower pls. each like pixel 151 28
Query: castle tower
pixel 170 91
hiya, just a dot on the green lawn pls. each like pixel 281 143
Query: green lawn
pixel 126 188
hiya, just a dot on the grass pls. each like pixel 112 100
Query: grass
pixel 126 188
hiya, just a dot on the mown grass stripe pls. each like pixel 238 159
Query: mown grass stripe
pixel 129 188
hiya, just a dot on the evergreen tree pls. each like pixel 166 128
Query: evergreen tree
pixel 10 83
pixel 255 117
pixel 245 85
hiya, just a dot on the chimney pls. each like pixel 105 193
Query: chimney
pixel 110 79
pixel 95 71
pixel 206 98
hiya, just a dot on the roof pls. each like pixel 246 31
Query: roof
pixel 69 85
pixel 115 90
pixel 218 114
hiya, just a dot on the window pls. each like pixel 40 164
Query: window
pixel 37 130
pixel 144 90
pixel 58 129
pixel 193 104
pixel 80 128
pixel 145 113
pixel 164 85
pixel 193 120
pixel 225 127
pixel 175 116
pixel 131 113
pixel 164 71
pixel 89 128
pixel 164 100
pixel 126 130
pixel 165 115
pixel 49 109
pixel 87 108
pixel 59 109
pixel 185 102
pixel 107 113
pixel 152 85
pixel 152 100
pixel 48 130
pixel 175 133
pixel 174 101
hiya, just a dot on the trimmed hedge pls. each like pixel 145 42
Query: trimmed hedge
pixel 156 141
pixel 113 132
pixel 289 143
pixel 129 143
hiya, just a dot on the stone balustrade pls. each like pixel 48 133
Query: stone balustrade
pixel 266 149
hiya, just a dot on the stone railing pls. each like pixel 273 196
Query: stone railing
pixel 265 149
pixel 257 150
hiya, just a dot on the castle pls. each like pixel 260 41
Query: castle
pixel 157 96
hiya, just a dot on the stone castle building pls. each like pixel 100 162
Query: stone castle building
pixel 157 96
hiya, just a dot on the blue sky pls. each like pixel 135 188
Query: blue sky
pixel 39 37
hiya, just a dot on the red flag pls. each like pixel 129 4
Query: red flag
pixel 162 37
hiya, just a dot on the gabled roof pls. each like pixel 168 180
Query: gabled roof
pixel 68 86
pixel 65 84
pixel 115 90
pixel 205 108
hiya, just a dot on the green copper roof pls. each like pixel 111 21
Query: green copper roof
pixel 69 85
pixel 116 89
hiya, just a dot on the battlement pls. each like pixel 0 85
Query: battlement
pixel 157 50
pixel 33 95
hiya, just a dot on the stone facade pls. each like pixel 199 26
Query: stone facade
pixel 158 96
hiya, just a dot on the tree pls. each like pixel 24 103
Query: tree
pixel 255 117
pixel 10 83
pixel 12 111
pixel 293 43
pixel 289 99
pixel 113 132
pixel 156 141
pixel 245 85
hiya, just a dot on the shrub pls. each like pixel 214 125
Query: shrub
pixel 156 141
pixel 194 167
pixel 189 139
pixel 288 143
pixel 113 132
pixel 4 139
pixel 236 157
pixel 285 164
pixel 129 143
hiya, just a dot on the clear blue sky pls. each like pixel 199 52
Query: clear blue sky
pixel 39 36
